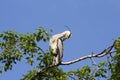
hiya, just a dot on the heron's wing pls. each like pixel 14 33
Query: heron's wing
pixel 56 45
pixel 53 45
pixel 60 48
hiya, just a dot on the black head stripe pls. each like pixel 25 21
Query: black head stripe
pixel 69 35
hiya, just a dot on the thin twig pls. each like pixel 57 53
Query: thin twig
pixel 72 77
pixel 93 61
pixel 40 49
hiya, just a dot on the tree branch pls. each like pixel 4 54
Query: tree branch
pixel 40 49
pixel 103 53
pixel 42 71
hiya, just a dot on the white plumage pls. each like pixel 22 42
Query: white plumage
pixel 56 46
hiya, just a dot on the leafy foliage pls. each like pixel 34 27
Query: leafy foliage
pixel 81 73
pixel 115 64
pixel 14 47
pixel 53 74
pixel 87 73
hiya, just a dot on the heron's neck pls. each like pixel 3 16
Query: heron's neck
pixel 60 36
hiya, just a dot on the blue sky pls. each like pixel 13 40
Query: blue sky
pixel 94 25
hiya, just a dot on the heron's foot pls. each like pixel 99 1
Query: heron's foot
pixel 56 63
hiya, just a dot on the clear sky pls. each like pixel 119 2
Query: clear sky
pixel 94 25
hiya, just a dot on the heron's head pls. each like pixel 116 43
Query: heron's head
pixel 67 35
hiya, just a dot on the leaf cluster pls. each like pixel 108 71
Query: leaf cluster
pixel 14 47
pixel 87 73
pixel 115 63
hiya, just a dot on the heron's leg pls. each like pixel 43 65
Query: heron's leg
pixel 54 60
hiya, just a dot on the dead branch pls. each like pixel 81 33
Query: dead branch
pixel 103 53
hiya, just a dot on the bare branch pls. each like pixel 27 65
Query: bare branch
pixel 40 49
pixel 103 53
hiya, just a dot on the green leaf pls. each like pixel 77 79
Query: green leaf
pixel 1 35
